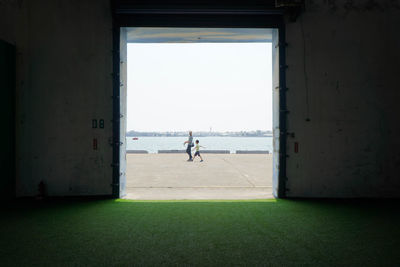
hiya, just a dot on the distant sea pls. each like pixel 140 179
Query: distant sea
pixel 153 144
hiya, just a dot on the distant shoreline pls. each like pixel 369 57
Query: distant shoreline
pixel 198 135
pixel 257 133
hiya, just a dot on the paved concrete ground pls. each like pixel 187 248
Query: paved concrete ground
pixel 220 176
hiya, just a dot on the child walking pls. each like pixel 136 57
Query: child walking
pixel 197 148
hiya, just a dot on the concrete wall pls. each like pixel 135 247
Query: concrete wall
pixel 346 52
pixel 350 145
pixel 64 67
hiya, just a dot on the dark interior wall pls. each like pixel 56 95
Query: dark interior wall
pixel 7 87
pixel 345 54
pixel 8 20
pixel 64 81
pixel 342 75
pixel 7 115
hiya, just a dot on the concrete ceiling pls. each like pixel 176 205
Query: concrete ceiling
pixel 198 35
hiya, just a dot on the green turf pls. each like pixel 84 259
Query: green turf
pixel 217 233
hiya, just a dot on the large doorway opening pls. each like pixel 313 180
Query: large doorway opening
pixel 161 100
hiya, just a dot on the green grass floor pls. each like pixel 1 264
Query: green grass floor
pixel 201 233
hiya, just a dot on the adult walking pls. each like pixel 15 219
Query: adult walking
pixel 190 144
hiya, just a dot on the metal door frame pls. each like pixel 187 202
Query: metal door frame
pixel 132 16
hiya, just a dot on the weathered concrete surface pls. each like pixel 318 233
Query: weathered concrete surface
pixel 64 66
pixel 219 176
pixel 343 74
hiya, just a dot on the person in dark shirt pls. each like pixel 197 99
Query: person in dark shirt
pixel 189 146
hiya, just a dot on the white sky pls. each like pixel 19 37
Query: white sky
pixel 195 86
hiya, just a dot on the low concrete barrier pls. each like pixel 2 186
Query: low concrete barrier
pixel 137 152
pixel 171 151
pixel 215 151
pixel 252 152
